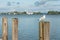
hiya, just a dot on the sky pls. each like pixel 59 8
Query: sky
pixel 30 5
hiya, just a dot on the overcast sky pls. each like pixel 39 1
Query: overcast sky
pixel 30 5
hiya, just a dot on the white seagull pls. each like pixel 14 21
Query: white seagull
pixel 42 18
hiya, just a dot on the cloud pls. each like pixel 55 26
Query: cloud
pixel 8 3
pixel 40 2
pixel 52 3
pixel 37 3
pixel 18 3
pixel 48 5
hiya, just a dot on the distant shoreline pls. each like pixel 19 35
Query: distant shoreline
pixel 34 13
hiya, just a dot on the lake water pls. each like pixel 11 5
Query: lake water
pixel 28 26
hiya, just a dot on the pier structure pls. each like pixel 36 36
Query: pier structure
pixel 44 30
pixel 4 29
pixel 15 29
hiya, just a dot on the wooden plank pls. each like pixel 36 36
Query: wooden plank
pixel 14 29
pixel 40 31
pixel 44 28
pixel 4 29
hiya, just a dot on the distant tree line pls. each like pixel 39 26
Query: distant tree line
pixel 53 12
pixel 18 13
pixel 37 13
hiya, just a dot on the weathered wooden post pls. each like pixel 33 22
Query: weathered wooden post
pixel 15 29
pixel 4 29
pixel 44 29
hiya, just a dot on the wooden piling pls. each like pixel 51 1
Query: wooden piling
pixel 4 29
pixel 14 29
pixel 44 29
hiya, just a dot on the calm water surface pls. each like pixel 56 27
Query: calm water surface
pixel 28 26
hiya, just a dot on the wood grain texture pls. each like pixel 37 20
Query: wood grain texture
pixel 4 29
pixel 14 29
pixel 44 29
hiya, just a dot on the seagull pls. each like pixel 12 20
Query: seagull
pixel 42 18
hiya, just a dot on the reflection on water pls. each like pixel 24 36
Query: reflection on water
pixel 28 28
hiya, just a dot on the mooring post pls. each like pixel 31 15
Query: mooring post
pixel 44 30
pixel 4 29
pixel 15 29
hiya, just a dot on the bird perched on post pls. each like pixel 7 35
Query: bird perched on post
pixel 42 18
